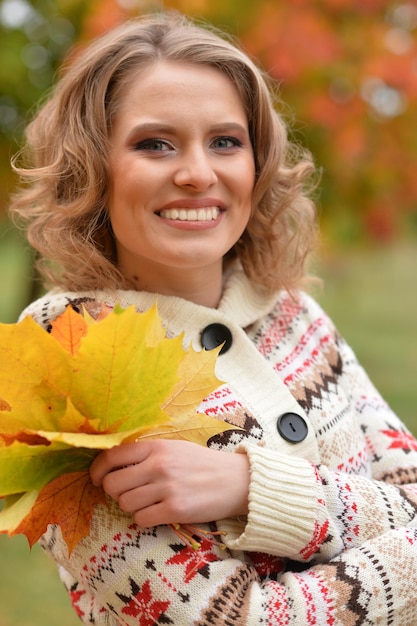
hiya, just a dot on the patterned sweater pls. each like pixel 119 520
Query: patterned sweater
pixel 331 534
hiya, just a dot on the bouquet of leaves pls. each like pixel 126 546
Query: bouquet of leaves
pixel 87 386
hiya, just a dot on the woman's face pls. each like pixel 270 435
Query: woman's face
pixel 182 172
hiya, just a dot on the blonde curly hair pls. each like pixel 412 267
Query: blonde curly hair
pixel 63 205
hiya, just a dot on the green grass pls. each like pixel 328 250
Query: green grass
pixel 31 593
pixel 15 274
pixel 372 297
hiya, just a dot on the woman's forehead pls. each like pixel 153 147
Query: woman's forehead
pixel 171 93
pixel 167 79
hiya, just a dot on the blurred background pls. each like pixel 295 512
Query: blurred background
pixel 347 71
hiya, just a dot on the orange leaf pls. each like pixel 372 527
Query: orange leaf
pixel 69 501
pixel 32 439
pixel 68 329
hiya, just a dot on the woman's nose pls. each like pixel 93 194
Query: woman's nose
pixel 195 170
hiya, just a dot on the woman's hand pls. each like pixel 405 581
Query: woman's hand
pixel 168 482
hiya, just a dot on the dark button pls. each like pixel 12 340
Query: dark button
pixel 292 427
pixel 214 335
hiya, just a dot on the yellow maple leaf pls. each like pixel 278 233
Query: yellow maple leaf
pixel 34 377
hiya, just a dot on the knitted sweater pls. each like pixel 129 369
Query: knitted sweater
pixel 331 533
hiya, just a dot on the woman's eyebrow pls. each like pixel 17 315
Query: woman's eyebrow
pixel 228 126
pixel 151 127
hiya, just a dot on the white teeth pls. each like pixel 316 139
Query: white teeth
pixel 191 215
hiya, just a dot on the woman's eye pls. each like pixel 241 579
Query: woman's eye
pixel 224 143
pixel 153 145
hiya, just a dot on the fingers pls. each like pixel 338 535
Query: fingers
pixel 152 507
pixel 124 480
pixel 117 458
pixel 154 516
pixel 138 498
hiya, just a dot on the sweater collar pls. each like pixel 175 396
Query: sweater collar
pixel 242 301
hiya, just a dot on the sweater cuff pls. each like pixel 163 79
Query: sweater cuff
pixel 283 497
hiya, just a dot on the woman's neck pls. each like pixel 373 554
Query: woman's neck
pixel 202 286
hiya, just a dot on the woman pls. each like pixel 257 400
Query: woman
pixel 162 173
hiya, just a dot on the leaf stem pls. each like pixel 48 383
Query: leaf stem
pixel 193 536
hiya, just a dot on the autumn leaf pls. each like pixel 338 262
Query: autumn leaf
pixel 69 330
pixel 34 378
pixel 198 430
pixel 15 509
pixel 135 378
pixel 87 386
pixel 69 501
pixel 195 382
pixel 26 467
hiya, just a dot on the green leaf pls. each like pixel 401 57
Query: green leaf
pixel 16 508
pixel 27 468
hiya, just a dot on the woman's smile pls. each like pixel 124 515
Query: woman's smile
pixel 192 219
pixel 193 214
